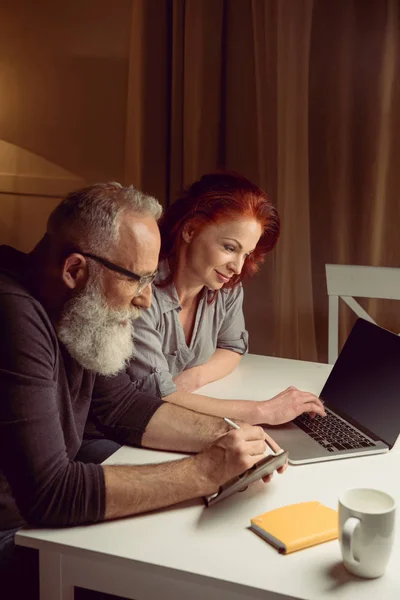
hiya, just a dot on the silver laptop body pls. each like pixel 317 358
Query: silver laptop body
pixel 362 401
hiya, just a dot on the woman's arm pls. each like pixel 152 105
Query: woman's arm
pixel 282 408
pixel 220 364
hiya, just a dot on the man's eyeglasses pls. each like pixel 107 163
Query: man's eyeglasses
pixel 143 280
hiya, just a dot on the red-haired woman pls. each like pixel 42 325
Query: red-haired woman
pixel 213 236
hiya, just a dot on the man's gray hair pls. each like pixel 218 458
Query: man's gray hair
pixel 89 219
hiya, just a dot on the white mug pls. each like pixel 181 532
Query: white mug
pixel 366 530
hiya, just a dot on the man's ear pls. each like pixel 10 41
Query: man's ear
pixel 74 271
pixel 188 232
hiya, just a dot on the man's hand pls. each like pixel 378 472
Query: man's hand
pixel 135 489
pixel 288 405
pixel 231 455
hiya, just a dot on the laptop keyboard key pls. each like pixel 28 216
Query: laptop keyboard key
pixel 332 433
pixel 339 446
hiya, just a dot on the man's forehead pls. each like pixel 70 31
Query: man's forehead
pixel 139 243
pixel 138 227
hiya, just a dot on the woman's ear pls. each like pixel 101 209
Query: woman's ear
pixel 188 232
pixel 74 271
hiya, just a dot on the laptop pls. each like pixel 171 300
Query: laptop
pixel 361 398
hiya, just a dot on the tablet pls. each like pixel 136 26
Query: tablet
pixel 260 469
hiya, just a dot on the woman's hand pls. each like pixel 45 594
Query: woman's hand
pixel 288 405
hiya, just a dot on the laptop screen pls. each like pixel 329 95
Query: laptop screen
pixel 364 384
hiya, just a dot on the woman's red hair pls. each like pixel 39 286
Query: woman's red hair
pixel 214 198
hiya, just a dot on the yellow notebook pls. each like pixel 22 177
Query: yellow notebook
pixel 297 526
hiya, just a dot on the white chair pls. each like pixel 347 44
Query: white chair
pixel 346 281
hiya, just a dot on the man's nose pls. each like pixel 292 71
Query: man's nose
pixel 143 300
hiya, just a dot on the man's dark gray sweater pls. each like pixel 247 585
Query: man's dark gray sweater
pixel 45 398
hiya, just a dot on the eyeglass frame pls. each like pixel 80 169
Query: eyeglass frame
pixel 143 280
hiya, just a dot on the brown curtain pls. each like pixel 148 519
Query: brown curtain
pixel 354 148
pixel 302 96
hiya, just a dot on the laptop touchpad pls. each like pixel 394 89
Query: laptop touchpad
pixel 291 438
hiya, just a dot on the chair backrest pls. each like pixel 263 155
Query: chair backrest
pixel 346 281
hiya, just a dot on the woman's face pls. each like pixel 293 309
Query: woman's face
pixel 217 252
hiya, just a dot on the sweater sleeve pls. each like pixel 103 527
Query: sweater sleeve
pixel 120 410
pixel 45 485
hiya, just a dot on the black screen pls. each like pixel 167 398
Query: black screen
pixel 364 383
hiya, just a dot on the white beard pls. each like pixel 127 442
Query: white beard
pixel 98 337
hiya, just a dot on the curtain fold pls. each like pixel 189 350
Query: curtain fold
pixel 296 331
pixel 148 85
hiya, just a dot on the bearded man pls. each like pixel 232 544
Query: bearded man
pixel 67 313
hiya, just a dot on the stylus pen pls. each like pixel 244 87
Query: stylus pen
pixel 231 423
pixel 268 449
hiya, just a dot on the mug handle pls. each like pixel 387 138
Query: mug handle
pixel 347 539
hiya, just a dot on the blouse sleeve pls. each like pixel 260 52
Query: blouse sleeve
pixel 149 369
pixel 233 334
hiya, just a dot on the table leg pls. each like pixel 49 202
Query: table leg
pixel 51 580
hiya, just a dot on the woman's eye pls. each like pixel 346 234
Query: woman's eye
pixel 229 248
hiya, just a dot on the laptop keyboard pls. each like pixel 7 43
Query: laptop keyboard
pixel 332 433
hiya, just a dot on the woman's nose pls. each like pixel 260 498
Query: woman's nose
pixel 236 265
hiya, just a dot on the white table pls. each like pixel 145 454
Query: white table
pixel 191 552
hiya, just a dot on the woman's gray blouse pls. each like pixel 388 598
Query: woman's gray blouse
pixel 161 352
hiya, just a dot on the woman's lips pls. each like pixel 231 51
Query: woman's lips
pixel 221 277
